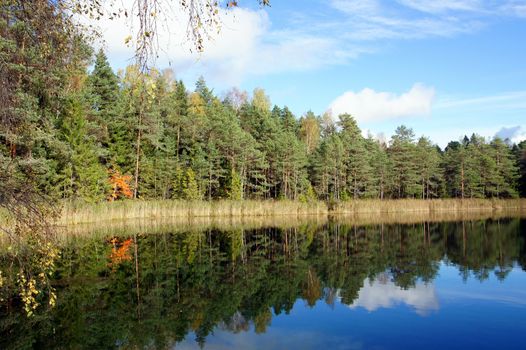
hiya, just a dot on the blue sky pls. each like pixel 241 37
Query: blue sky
pixel 445 68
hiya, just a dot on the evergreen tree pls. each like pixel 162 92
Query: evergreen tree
pixel 428 161
pixel 520 156
pixel 379 181
pixel 82 176
pixel 508 172
pixel 103 96
pixel 236 186
pixel 357 162
pixel 402 155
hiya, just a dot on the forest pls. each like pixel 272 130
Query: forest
pixel 76 130
pixel 146 135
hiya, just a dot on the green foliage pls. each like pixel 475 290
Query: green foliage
pixel 520 156
pixel 149 125
pixel 236 186
pixel 190 190
pixel 81 175
pixel 402 154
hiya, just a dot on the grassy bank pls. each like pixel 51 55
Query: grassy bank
pixel 74 213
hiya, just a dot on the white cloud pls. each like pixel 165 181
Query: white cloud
pixel 383 293
pixel 249 44
pixel 246 45
pixel 369 105
pixel 515 133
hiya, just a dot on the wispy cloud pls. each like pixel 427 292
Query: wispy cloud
pixel 514 8
pixel 506 100
pixel 443 6
pixel 377 20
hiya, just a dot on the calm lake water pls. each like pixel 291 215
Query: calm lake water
pixel 453 285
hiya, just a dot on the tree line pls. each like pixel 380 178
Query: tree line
pixel 146 135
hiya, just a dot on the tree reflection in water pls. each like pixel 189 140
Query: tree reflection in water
pixel 151 290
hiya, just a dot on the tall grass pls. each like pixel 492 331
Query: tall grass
pixel 123 210
pixel 184 224
pixel 427 206
pixel 74 213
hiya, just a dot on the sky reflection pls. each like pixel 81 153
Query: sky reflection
pixel 384 293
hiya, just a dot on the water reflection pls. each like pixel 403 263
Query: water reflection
pixel 381 292
pixel 143 290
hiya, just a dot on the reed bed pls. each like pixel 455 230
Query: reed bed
pixel 74 213
pixel 180 224
pixel 266 211
pixel 183 224
pixel 428 206
pixel 121 218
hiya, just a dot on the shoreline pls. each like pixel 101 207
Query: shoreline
pixel 83 213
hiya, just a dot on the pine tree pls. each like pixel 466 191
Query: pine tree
pixel 402 155
pixel 379 180
pixel 520 156
pixel 357 164
pixel 428 161
pixel 508 172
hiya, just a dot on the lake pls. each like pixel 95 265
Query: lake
pixel 329 285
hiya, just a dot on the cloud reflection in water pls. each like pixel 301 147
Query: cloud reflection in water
pixel 383 293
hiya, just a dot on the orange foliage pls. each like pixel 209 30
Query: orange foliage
pixel 120 185
pixel 120 252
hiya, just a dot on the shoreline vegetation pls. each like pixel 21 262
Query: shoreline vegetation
pixel 81 213
pixel 193 224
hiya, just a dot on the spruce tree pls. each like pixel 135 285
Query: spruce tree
pixel 82 174
pixel 103 96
